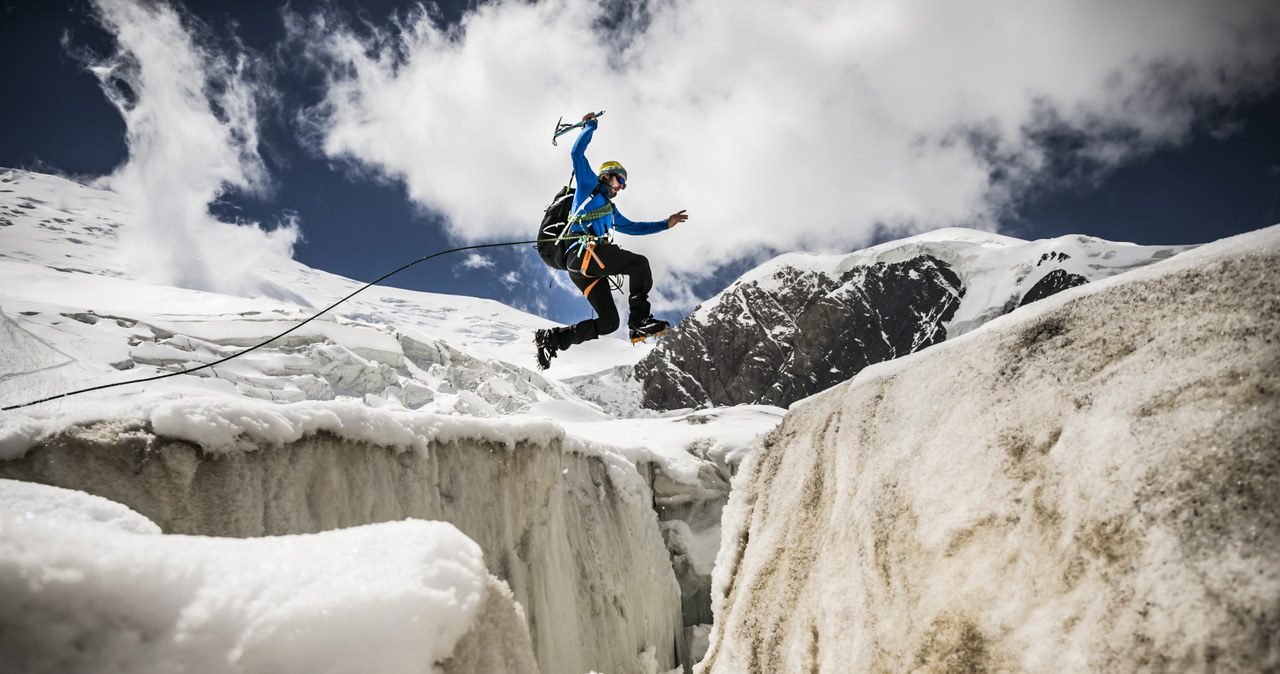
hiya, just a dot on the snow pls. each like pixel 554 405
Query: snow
pixel 49 277
pixel 1060 490
pixel 387 348
pixel 319 431
pixel 723 435
pixel 345 446
pixel 995 269
pixel 91 585
pixel 359 372
pixel 29 502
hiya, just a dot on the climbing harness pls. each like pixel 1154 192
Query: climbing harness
pixel 587 239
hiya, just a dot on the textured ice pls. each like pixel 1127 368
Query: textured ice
pixel 91 586
pixel 569 525
pixel 399 404
pixel 1088 484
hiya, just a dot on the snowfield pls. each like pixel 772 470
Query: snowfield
pixel 392 488
pixel 361 418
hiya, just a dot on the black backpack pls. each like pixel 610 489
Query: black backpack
pixel 554 222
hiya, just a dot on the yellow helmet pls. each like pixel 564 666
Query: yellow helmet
pixel 613 167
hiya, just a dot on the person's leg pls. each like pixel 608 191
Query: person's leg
pixel 603 261
pixel 610 260
pixel 599 295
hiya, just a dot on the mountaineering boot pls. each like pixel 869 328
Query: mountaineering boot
pixel 545 340
pixel 649 327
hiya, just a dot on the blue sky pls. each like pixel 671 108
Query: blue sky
pixel 382 134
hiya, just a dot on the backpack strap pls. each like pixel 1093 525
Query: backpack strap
pixel 604 210
pixel 580 217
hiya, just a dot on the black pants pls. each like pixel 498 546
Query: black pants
pixel 605 260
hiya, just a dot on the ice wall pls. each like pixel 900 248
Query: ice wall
pixel 91 586
pixel 688 459
pixel 575 537
pixel 1088 485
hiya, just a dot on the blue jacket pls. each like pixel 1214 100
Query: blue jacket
pixel 587 180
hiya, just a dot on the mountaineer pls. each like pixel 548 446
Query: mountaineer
pixel 593 256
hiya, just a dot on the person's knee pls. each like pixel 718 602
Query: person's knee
pixel 640 276
pixel 607 324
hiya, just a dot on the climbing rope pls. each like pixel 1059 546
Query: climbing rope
pixel 286 332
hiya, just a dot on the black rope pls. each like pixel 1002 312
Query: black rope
pixel 258 346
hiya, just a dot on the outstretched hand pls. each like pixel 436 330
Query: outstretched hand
pixel 589 116
pixel 676 218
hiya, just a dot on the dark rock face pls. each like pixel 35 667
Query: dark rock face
pixel 1053 283
pixel 809 332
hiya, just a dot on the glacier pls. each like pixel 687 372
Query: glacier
pixel 547 521
pixel 398 405
pixel 572 534
pixel 1089 484
pixel 92 586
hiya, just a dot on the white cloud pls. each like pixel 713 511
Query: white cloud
pixel 477 261
pixel 190 114
pixel 779 125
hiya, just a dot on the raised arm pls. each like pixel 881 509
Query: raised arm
pixel 585 176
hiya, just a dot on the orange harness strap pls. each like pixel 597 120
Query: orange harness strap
pixel 588 255
pixel 587 292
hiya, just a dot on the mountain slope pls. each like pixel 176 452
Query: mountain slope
pixel 84 321
pixel 801 323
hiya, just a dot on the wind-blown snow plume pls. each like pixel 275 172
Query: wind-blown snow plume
pixel 192 134
pixel 779 126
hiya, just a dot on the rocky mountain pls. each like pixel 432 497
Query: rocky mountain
pixel 811 332
pixel 802 323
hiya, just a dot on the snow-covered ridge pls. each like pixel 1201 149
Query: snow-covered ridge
pixel 996 270
pixel 834 264
pixel 802 323
pixel 75 320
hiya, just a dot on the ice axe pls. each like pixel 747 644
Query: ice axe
pixel 562 128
